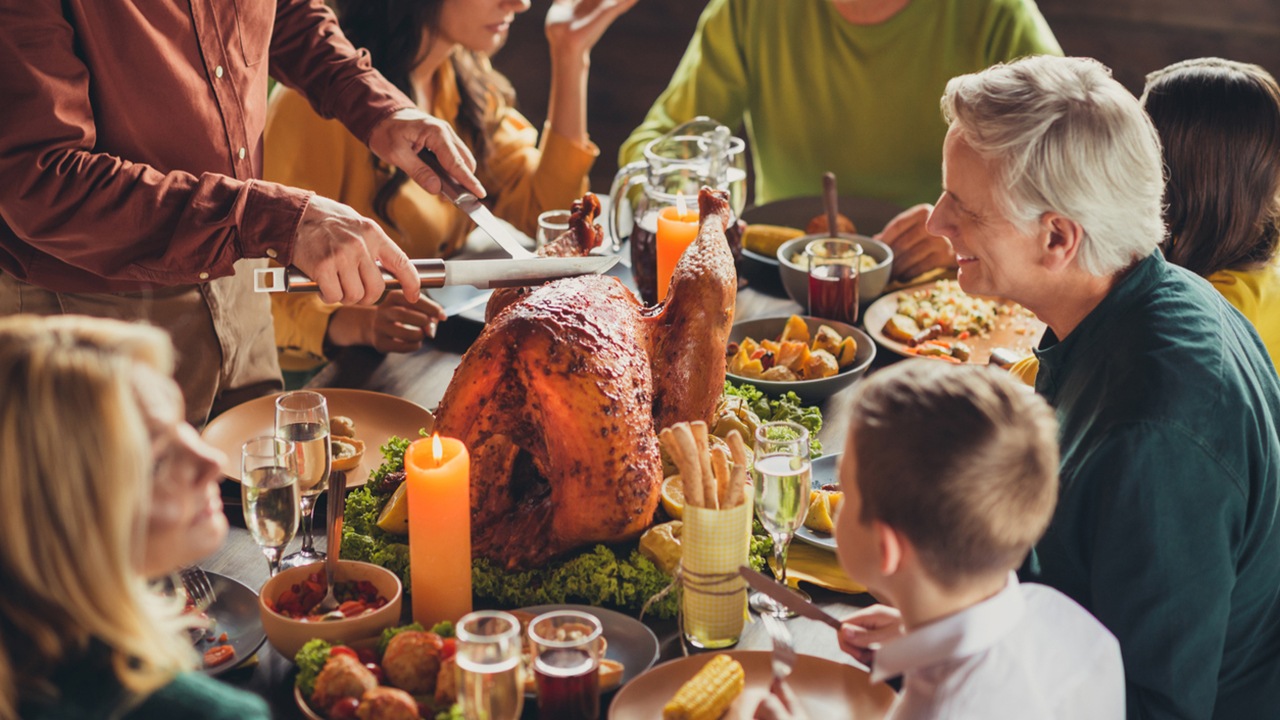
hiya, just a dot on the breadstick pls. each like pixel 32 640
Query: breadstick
pixel 694 484
pixel 709 494
pixel 672 446
pixel 720 465
pixel 738 483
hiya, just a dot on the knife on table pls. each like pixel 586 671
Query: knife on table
pixel 775 590
pixel 472 206
pixel 483 274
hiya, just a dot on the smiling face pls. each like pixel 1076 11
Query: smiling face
pixel 186 522
pixel 996 256
pixel 478 25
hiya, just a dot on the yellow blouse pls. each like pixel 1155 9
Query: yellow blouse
pixel 304 150
pixel 1256 295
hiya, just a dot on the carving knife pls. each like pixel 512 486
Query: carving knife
pixel 483 274
pixel 775 590
pixel 472 206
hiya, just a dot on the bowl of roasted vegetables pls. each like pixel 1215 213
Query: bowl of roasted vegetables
pixel 369 601
pixel 812 357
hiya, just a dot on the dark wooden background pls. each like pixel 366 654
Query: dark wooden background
pixel 635 59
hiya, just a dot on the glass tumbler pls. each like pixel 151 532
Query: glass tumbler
pixel 834 270
pixel 551 225
pixel 490 681
pixel 566 664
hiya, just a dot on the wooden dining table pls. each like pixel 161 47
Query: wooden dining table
pixel 422 377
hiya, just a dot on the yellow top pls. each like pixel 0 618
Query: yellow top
pixel 1256 295
pixel 306 151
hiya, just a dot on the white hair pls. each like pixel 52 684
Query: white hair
pixel 1065 137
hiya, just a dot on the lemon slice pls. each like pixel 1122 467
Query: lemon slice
pixel 394 517
pixel 673 497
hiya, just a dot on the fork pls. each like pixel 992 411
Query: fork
pixel 784 652
pixel 198 588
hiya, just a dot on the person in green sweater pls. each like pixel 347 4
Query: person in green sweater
pixel 103 485
pixel 847 86
pixel 1168 520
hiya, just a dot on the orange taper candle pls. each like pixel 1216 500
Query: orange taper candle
pixel 677 229
pixel 438 471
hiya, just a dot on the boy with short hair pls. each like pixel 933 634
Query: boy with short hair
pixel 950 476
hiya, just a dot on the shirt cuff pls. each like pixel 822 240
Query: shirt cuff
pixel 269 225
pixel 565 163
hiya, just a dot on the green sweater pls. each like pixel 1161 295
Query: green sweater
pixel 1168 521
pixel 88 690
pixel 818 93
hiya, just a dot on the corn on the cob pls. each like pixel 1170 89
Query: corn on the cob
pixel 766 239
pixel 709 693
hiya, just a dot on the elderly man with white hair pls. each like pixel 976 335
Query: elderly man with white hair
pixel 1168 521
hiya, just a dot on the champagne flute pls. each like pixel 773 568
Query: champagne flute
pixel 782 484
pixel 269 490
pixel 490 686
pixel 302 417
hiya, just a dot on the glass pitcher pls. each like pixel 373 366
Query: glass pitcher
pixel 697 153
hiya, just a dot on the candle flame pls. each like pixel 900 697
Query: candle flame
pixel 437 449
pixel 681 208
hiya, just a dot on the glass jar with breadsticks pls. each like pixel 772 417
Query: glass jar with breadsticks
pixel 716 535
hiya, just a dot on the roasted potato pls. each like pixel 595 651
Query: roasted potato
pixel 793 355
pixel 823 505
pixel 901 328
pixel 827 339
pixel 342 676
pixel 819 364
pixel 779 373
pixel 797 330
pixel 848 352
pixel 661 544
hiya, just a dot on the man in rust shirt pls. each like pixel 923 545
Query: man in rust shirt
pixel 130 166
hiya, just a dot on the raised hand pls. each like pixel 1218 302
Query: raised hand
pixel 574 26
pixel 339 248
pixel 866 629
pixel 915 250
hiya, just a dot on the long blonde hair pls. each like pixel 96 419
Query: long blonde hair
pixel 75 490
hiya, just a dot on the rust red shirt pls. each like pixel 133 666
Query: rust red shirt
pixel 131 134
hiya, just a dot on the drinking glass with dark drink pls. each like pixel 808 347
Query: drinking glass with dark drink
pixel 490 683
pixel 834 269
pixel 567 646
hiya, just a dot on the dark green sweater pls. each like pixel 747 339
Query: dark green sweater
pixel 88 690
pixel 1168 521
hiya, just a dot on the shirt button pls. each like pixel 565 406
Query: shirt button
pixel 271 253
pixel 217 72
pixel 204 276
pixel 241 153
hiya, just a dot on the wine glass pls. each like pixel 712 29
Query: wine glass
pixel 269 490
pixel 551 225
pixel 302 417
pixel 490 684
pixel 566 664
pixel 782 484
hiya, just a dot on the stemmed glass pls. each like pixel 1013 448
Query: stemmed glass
pixel 490 686
pixel 269 490
pixel 782 484
pixel 302 417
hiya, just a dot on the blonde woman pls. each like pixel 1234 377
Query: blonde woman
pixel 102 486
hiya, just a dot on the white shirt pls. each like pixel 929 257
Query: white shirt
pixel 1027 652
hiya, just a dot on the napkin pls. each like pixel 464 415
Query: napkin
pixel 818 566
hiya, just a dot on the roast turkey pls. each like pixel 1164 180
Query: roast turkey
pixel 560 398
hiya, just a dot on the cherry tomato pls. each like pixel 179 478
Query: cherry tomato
pixel 367 655
pixel 344 709
pixel 218 655
pixel 351 608
pixel 343 650
pixel 449 648
pixel 426 710
pixel 378 675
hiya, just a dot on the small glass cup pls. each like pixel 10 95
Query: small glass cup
pixel 834 269
pixel 490 680
pixel 566 664
pixel 302 417
pixel 551 225
pixel 269 490
pixel 782 474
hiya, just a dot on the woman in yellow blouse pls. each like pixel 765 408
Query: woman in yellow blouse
pixel 437 52
pixel 1219 124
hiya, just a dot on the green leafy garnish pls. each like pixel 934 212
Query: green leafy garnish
pixel 443 629
pixel 788 408
pixel 310 660
pixel 595 577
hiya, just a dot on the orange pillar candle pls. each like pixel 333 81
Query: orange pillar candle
pixel 677 229
pixel 438 471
